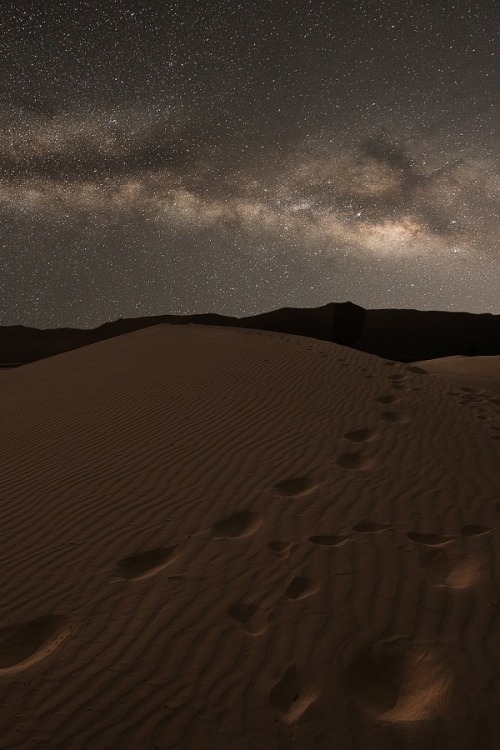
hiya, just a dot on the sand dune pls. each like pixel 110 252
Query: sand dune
pixel 226 538
pixel 480 372
pixel 341 322
pixel 400 335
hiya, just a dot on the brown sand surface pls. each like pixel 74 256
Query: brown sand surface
pixel 340 322
pixel 226 538
pixel 480 372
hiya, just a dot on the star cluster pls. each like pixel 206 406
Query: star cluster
pixel 234 157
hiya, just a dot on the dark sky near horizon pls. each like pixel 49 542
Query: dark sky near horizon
pixel 186 157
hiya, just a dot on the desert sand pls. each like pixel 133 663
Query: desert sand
pixel 480 372
pixel 225 538
pixel 400 335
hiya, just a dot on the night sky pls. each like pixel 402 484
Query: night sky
pixel 188 157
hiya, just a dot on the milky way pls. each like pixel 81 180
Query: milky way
pixel 238 158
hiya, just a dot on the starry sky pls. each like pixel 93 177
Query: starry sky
pixel 234 157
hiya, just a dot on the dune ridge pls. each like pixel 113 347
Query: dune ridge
pixel 228 538
pixel 400 335
pixel 482 373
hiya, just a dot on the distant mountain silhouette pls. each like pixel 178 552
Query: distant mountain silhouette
pixel 339 322
pixel 410 335
pixel 403 335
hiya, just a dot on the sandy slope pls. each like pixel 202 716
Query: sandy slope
pixel 220 538
pixel 480 372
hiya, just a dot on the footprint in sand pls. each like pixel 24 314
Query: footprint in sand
pixel 398 386
pixel 300 588
pixel 437 564
pixel 241 524
pixel 26 643
pixel 251 617
pixel 467 401
pixel 446 567
pixel 396 377
pixel 360 436
pixel 474 529
pixel 464 575
pixel 449 570
pixel 387 399
pixel 399 681
pixel 354 461
pixel 295 487
pixel 369 527
pixel 146 564
pixel 280 549
pixel 328 540
pixel 432 540
pixel 290 698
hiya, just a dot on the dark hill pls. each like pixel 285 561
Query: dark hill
pixel 403 335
